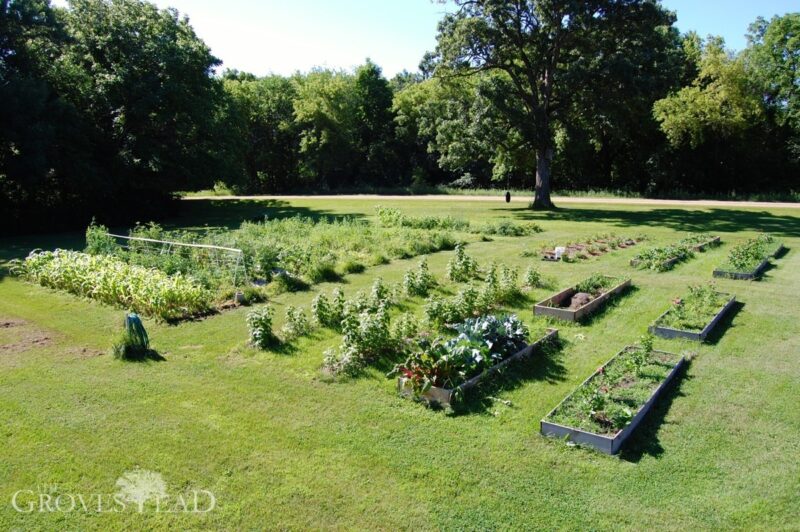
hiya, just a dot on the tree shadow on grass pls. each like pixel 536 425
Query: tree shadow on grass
pixel 679 219
pixel 644 440
pixel 544 364
pixel 724 324
pixel 229 214
pixel 612 303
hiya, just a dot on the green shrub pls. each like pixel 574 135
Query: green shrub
pixel 366 336
pixel 462 267
pixel 406 327
pixel 98 242
pixel 419 281
pixel 259 323
pixel 481 343
pixel 694 311
pixel 533 278
pixel 296 324
pixel 353 266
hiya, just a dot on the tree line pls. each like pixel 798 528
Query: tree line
pixel 109 107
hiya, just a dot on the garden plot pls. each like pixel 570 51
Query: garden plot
pixel 665 258
pixel 580 300
pixel 113 281
pixel 592 247
pixel 605 410
pixel 694 316
pixel 442 370
pixel 748 260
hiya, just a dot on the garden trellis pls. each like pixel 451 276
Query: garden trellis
pixel 217 258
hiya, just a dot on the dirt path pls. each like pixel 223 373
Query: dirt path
pixel 499 197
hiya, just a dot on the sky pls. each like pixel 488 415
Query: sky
pixel 283 36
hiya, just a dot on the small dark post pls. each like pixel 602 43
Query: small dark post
pixel 508 197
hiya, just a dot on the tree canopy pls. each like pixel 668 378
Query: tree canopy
pixel 111 107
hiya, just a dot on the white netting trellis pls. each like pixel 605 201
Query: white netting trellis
pixel 222 260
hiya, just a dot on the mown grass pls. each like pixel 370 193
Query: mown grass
pixel 281 447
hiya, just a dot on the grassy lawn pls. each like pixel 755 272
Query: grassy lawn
pixel 280 446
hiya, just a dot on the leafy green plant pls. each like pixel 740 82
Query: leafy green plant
pixel 419 281
pixel 366 336
pixel 405 327
pixel 392 217
pixel 480 343
pixel 462 267
pixel 663 258
pixel 533 278
pixel 607 402
pixel 328 313
pixel 259 324
pixel 746 257
pixel 296 324
pixel 99 242
pixel 695 310
pixel 597 283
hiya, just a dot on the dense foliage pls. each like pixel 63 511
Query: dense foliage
pixel 663 258
pixel 479 344
pixel 110 107
pixel 110 280
pixel 290 251
pixel 745 257
pixel 597 284
pixel 259 325
pixel 392 217
pixel 609 400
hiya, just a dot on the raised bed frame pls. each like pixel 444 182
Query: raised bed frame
pixel 697 247
pixel 754 274
pixel 603 443
pixel 444 396
pixel 666 332
pixel 549 307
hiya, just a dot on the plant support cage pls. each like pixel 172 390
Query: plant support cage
pixel 220 259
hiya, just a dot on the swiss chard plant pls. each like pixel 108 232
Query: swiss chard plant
pixel 448 362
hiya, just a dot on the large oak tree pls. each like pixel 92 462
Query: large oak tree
pixel 551 53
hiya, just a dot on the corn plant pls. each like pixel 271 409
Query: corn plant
pixel 112 281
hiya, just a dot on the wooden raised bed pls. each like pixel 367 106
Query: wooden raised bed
pixel 667 264
pixel 703 245
pixel 699 336
pixel 754 274
pixel 552 305
pixel 601 442
pixel 444 396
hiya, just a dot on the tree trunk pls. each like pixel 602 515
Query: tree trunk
pixel 541 196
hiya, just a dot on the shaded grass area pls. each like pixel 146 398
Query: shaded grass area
pixel 282 448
